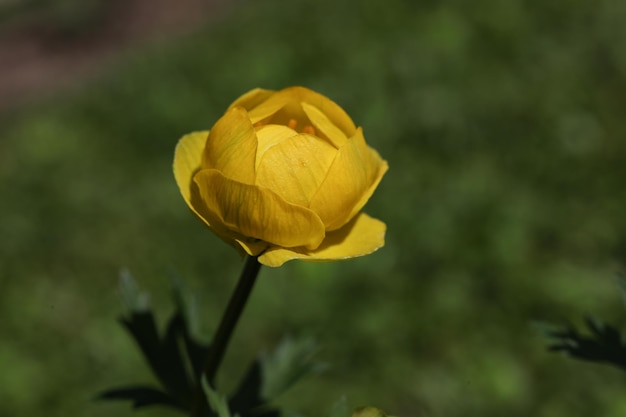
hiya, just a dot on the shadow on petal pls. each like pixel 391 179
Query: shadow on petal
pixel 360 236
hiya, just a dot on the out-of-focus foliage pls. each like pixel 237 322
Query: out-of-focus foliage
pixel 503 126
pixel 177 360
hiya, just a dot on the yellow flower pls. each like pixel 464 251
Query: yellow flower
pixel 284 175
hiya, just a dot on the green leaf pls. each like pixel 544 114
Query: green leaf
pixel 187 311
pixel 217 402
pixel 140 396
pixel 174 357
pixel 186 304
pixel 248 394
pixel 290 362
pixel 605 343
pixel 162 354
pixel 248 400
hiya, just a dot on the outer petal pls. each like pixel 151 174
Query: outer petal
pixel 350 182
pixel 381 168
pixel 187 159
pixel 361 236
pixel 257 212
pixel 231 146
pixel 295 168
pixel 252 98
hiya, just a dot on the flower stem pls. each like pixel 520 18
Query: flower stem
pixel 227 325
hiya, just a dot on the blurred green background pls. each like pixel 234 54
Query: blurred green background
pixel 503 124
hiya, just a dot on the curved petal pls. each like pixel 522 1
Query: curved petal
pixel 361 236
pixel 262 114
pixel 291 98
pixel 231 146
pixel 295 168
pixel 350 182
pixel 251 99
pixel 324 125
pixel 257 212
pixel 269 136
pixel 382 168
pixel 187 160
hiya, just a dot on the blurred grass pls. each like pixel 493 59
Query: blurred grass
pixel 503 126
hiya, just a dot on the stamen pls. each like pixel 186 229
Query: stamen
pixel 292 124
pixel 308 129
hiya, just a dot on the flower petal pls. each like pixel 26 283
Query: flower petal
pixel 252 98
pixel 187 160
pixel 257 212
pixel 361 236
pixel 381 167
pixel 350 182
pixel 323 124
pixel 231 146
pixel 295 168
pixel 261 114
pixel 291 98
pixel 269 136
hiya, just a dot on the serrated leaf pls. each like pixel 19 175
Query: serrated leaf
pixel 163 356
pixel 172 363
pixel 247 400
pixel 197 353
pixel 216 401
pixel 186 304
pixel 142 327
pixel 605 344
pixel 140 396
pixel 248 394
pixel 186 308
pixel 290 362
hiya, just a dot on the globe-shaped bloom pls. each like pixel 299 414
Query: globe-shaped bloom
pixel 284 175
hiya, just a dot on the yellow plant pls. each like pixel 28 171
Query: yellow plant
pixel 284 175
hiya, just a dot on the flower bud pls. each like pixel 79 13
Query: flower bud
pixel 284 175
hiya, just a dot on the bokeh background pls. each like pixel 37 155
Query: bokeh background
pixel 503 124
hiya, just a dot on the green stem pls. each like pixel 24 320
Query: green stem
pixel 225 330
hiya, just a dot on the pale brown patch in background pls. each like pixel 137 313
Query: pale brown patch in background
pixel 37 60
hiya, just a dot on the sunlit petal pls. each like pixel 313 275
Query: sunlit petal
pixel 263 113
pixel 324 126
pixel 350 181
pixel 252 98
pixel 291 98
pixel 361 236
pixel 187 160
pixel 257 212
pixel 296 167
pixel 269 136
pixel 231 146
